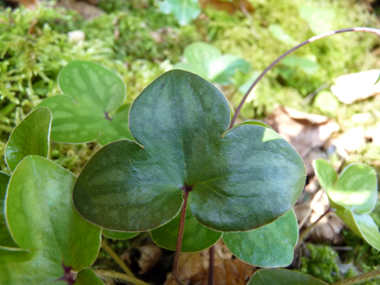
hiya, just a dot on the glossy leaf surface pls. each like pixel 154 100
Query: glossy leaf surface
pixel 283 277
pixel 5 237
pixel 42 219
pixel 88 277
pixel 269 246
pixel 31 136
pixel 208 62
pixel 118 235
pixel 90 107
pixel 353 195
pixel 196 237
pixel 240 180
pixel 185 11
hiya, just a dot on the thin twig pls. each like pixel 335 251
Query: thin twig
pixel 117 259
pixel 306 231
pixel 180 236
pixel 313 39
pixel 211 265
pixel 119 276
pixel 359 278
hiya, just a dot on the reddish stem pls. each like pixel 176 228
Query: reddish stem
pixel 211 265
pixel 313 39
pixel 180 234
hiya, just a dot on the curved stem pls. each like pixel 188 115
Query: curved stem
pixel 306 231
pixel 119 276
pixel 359 278
pixel 211 265
pixel 186 192
pixel 117 259
pixel 313 39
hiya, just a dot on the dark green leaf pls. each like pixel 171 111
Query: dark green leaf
pixel 42 219
pixel 241 179
pixel 118 235
pixel 88 277
pixel 5 237
pixel 31 136
pixel 269 246
pixel 283 277
pixel 196 237
pixel 91 107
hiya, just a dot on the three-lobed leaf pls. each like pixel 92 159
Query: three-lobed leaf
pixel 353 195
pixel 30 137
pixel 185 11
pixel 42 221
pixel 239 180
pixel 91 107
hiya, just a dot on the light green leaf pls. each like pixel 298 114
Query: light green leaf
pixel 5 237
pixel 239 180
pixel 118 235
pixel 283 277
pixel 269 246
pixel 353 195
pixel 31 136
pixel 256 123
pixel 196 237
pixel 306 64
pixel 88 277
pixel 91 106
pixel 277 32
pixel 326 102
pixel 208 62
pixel 42 220
pixel 320 20
pixel 185 11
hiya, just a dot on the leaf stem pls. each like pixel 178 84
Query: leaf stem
pixel 306 231
pixel 180 235
pixel 117 259
pixel 359 278
pixel 313 39
pixel 211 265
pixel 119 276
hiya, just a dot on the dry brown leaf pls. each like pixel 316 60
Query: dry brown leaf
pixel 228 6
pixel 150 255
pixel 30 4
pixel 87 10
pixel 193 268
pixel 352 87
pixel 349 141
pixel 303 131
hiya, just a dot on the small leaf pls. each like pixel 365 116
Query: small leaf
pixel 208 62
pixel 196 237
pixel 5 237
pixel 185 11
pixel 307 65
pixel 353 195
pixel 88 277
pixel 256 123
pixel 283 277
pixel 91 106
pixel 239 180
pixel 326 102
pixel 42 220
pixel 31 136
pixel 320 20
pixel 118 235
pixel 269 246
pixel 278 33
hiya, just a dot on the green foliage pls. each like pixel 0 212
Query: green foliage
pixel 321 263
pixel 353 195
pixel 282 277
pixel 184 10
pixel 326 102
